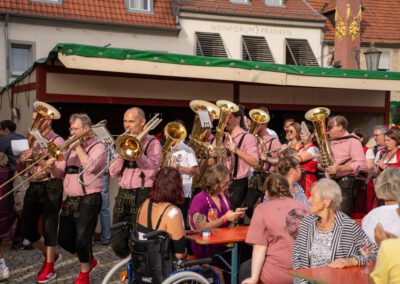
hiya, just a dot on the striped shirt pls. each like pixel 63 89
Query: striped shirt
pixel 346 241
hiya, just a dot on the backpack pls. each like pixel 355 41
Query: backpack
pixel 152 258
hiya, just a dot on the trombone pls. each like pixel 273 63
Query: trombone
pixel 126 146
pixel 53 151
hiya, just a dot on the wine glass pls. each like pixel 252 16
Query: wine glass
pixel 212 216
pixel 366 251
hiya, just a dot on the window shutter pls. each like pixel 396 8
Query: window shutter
pixel 210 44
pixel 255 48
pixel 299 52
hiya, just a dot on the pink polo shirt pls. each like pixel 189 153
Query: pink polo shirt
pixel 269 143
pixel 148 163
pixel 249 145
pixel 350 148
pixel 59 166
pixel 71 185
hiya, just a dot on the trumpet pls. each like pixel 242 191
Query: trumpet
pixel 174 133
pixel 126 146
pixel 53 151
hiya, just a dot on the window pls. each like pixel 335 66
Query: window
pixel 49 1
pixel 210 44
pixel 274 2
pixel 21 58
pixel 299 52
pixel 255 48
pixel 384 61
pixel 240 1
pixel 140 5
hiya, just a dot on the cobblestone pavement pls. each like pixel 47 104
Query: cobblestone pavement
pixel 25 264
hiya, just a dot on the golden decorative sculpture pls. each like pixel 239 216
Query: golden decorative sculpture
pixel 353 29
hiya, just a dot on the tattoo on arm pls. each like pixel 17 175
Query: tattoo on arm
pixel 199 218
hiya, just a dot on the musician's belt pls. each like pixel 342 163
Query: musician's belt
pixel 72 170
pixel 130 164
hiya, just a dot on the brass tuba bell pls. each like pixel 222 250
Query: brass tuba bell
pixel 318 116
pixel 257 117
pixel 174 132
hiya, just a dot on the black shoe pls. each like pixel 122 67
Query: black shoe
pixel 106 243
pixel 28 247
pixel 17 246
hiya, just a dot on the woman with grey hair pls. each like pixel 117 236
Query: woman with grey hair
pixel 387 188
pixel 328 237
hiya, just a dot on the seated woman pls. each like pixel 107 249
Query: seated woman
pixel 160 211
pixel 290 168
pixel 273 238
pixel 329 237
pixel 387 188
pixel 212 197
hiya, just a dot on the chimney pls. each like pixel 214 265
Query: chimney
pixel 348 18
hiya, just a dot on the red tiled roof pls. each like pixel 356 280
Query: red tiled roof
pixel 293 9
pixel 380 23
pixel 105 11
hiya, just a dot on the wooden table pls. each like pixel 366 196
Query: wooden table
pixel 328 275
pixel 221 236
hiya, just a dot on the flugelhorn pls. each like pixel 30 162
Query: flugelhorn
pixel 318 116
pixel 53 151
pixel 174 132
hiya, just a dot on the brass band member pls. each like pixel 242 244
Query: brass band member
pixel 82 207
pixel 348 156
pixel 390 155
pixel 137 178
pixel 244 147
pixel 371 156
pixel 43 199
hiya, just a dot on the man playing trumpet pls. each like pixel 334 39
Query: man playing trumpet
pixel 136 178
pixel 43 199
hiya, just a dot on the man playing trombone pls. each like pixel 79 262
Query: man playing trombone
pixel 43 199
pixel 136 178
pixel 82 206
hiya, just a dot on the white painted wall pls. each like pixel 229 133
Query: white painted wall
pixel 232 33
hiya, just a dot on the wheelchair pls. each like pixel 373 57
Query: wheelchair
pixel 185 271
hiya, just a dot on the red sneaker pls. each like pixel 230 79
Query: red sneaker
pixel 83 278
pixel 93 265
pixel 47 273
pixel 57 259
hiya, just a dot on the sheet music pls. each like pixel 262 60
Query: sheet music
pixel 18 146
pixel 204 118
pixel 39 138
pixel 102 134
pixel 304 130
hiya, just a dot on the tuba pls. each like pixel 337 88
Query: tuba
pixel 318 116
pixel 196 138
pixel 174 133
pixel 44 112
pixel 258 117
pixel 226 109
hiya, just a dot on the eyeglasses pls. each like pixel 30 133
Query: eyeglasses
pixel 289 131
pixel 74 128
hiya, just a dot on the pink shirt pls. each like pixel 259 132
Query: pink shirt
pixel 71 185
pixel 148 164
pixel 59 166
pixel 348 149
pixel 269 143
pixel 249 145
pixel 278 234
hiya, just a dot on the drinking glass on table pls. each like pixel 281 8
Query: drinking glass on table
pixel 367 251
pixel 212 216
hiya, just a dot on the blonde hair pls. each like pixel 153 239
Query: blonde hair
pixel 387 185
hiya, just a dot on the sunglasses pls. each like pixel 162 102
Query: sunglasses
pixel 289 131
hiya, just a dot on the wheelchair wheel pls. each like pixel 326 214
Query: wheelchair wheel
pixel 185 277
pixel 113 273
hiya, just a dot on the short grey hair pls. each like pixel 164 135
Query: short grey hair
pixel 382 128
pixel 329 189
pixel 387 186
pixel 83 117
pixel 139 111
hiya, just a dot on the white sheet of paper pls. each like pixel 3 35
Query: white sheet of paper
pixel 102 134
pixel 18 146
pixel 205 119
